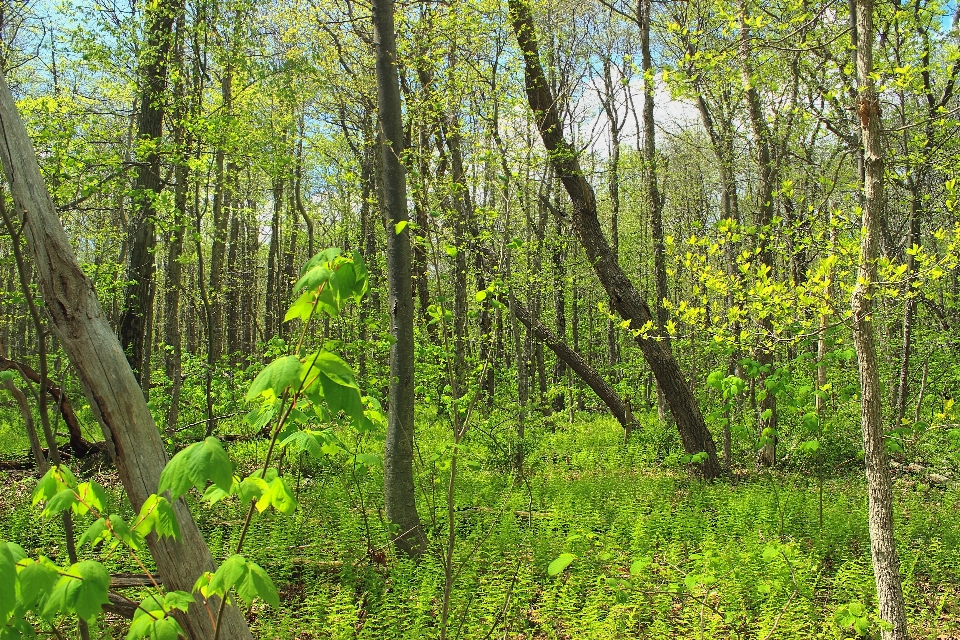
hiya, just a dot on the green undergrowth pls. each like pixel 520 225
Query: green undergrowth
pixel 652 552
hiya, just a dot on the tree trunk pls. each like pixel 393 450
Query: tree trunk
pixel 883 550
pixel 399 489
pixel 627 301
pixel 575 361
pixel 221 219
pixel 761 134
pixel 273 315
pixel 138 296
pixel 93 348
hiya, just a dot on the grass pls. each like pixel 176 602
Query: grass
pixel 657 554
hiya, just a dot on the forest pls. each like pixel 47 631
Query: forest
pixel 476 319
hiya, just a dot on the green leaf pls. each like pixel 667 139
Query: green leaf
pixel 261 416
pixel 561 563
pixel 8 581
pixel 715 379
pixel 37 579
pixel 157 515
pixel 281 498
pixel 276 377
pixel 178 600
pixel 229 574
pixel 258 584
pixel 47 487
pixel 94 533
pixel 313 278
pixel 303 307
pixel 361 283
pixel 300 441
pixel 638 566
pixel 92 496
pixel 120 529
pixel 60 502
pixel 194 466
pixel 401 226
pixel 167 628
pixel 82 591
pixel 254 488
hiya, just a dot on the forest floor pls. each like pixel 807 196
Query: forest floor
pixel 656 554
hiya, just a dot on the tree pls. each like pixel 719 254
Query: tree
pixel 138 298
pixel 883 547
pixel 399 497
pixel 626 299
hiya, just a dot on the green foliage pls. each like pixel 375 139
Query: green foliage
pixel 560 563
pixel 196 465
pixel 248 578
pixel 153 618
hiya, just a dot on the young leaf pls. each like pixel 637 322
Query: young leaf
pixel 194 466
pixel 178 600
pixel 8 581
pixel 120 529
pixel 281 498
pixel 94 533
pixel 60 502
pixel 312 279
pixel 229 574
pixel 561 563
pixel 157 514
pixel 302 307
pixel 82 591
pixel 37 579
pixel 258 584
pixel 277 376
pixel 92 496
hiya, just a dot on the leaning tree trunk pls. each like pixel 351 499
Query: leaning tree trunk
pixel 626 299
pixel 883 549
pixel 113 392
pixel 575 361
pixel 399 497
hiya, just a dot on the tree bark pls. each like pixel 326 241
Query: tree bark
pixel 138 296
pixel 399 489
pixel 95 351
pixel 626 299
pixel 575 361
pixel 883 549
pixel 761 138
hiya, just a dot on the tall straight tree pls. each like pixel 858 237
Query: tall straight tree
pixel 883 548
pixel 626 299
pixel 138 297
pixel 399 497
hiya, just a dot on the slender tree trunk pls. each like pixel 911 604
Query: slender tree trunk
pixel 558 257
pixel 221 219
pixel 399 489
pixel 86 336
pixel 575 361
pixel 273 317
pixel 761 134
pixel 138 296
pixel 627 301
pixel 883 549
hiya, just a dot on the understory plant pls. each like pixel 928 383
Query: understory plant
pixel 301 396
